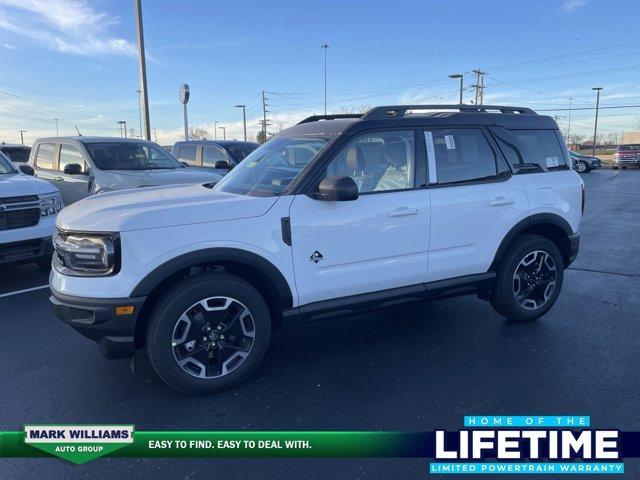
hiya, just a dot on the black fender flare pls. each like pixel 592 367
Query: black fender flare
pixel 220 255
pixel 522 225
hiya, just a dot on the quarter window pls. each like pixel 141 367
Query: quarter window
pixel 541 147
pixel 70 154
pixel 378 162
pixel 460 155
pixel 187 153
pixel 210 155
pixel 44 156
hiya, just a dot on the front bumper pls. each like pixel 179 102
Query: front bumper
pixel 574 247
pixel 96 319
pixel 626 162
pixel 25 251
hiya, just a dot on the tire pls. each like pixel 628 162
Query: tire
pixel 582 167
pixel 614 167
pixel 181 318
pixel 503 298
pixel 624 168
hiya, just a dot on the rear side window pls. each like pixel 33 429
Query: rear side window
pixel 187 153
pixel 538 146
pixel 44 156
pixel 460 155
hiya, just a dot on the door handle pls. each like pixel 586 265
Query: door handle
pixel 402 211
pixel 502 201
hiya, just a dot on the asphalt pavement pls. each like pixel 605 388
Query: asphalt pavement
pixel 416 368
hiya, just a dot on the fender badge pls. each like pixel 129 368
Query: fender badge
pixel 316 257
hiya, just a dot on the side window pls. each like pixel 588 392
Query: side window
pixel 541 147
pixel 211 154
pixel 187 153
pixel 460 155
pixel 44 156
pixel 378 162
pixel 70 154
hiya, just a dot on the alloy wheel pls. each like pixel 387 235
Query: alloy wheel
pixel 534 280
pixel 581 167
pixel 213 337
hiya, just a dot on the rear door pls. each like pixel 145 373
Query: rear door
pixel 72 187
pixel 475 201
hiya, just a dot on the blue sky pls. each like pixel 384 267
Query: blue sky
pixel 75 60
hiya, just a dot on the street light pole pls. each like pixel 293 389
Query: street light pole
pixel 140 111
pixel 461 77
pixel 569 126
pixel 215 130
pixel 56 120
pixel 224 132
pixel 324 47
pixel 142 70
pixel 595 128
pixel 21 137
pixel 244 119
pixel 123 126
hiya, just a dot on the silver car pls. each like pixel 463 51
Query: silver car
pixel 83 166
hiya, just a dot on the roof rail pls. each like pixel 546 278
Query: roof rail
pixel 395 111
pixel 316 118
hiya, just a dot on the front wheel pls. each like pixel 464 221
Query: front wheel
pixel 582 167
pixel 209 332
pixel 529 279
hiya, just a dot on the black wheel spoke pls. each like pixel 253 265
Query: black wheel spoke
pixel 534 279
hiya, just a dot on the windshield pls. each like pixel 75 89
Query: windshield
pixel 268 170
pixel 240 152
pixel 130 156
pixel 5 165
pixel 17 154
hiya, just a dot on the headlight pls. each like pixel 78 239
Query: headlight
pixel 50 204
pixel 86 254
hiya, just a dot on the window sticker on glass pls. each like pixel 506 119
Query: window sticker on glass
pixel 451 144
pixel 552 162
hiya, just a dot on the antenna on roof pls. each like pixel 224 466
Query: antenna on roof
pixel 78 130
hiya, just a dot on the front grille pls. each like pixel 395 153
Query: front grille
pixel 19 212
pixel 19 250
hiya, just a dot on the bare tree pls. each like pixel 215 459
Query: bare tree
pixel 636 123
pixel 198 133
pixel 362 109
pixel 575 138
pixel 613 138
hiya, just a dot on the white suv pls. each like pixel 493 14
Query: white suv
pixel 335 215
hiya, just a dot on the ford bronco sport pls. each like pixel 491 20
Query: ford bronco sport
pixel 336 215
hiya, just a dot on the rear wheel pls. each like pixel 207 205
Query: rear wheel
pixel 208 333
pixel 529 279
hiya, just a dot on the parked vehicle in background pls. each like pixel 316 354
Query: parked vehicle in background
pixel 220 156
pixel 28 208
pixel 15 152
pixel 584 163
pixel 338 214
pixel 82 166
pixel 627 156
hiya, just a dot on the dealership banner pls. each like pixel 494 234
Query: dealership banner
pixel 486 445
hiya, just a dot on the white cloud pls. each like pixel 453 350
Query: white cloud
pixel 570 6
pixel 8 46
pixel 67 26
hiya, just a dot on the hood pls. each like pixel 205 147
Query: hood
pixel 18 184
pixel 157 207
pixel 135 178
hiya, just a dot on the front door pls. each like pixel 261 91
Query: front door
pixel 73 187
pixel 377 242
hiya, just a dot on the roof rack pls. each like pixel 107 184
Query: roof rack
pixel 395 111
pixel 316 118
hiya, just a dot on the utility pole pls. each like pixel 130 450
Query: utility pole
pixel 595 128
pixel 224 132
pixel 324 47
pixel 21 137
pixel 123 126
pixel 215 130
pixel 461 77
pixel 479 86
pixel 140 112
pixel 142 70
pixel 244 119
pixel 264 115
pixel 56 120
pixel 569 126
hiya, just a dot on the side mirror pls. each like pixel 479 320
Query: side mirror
pixel 184 164
pixel 26 169
pixel 337 189
pixel 73 169
pixel 222 165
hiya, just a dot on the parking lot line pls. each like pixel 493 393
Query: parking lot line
pixel 18 292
